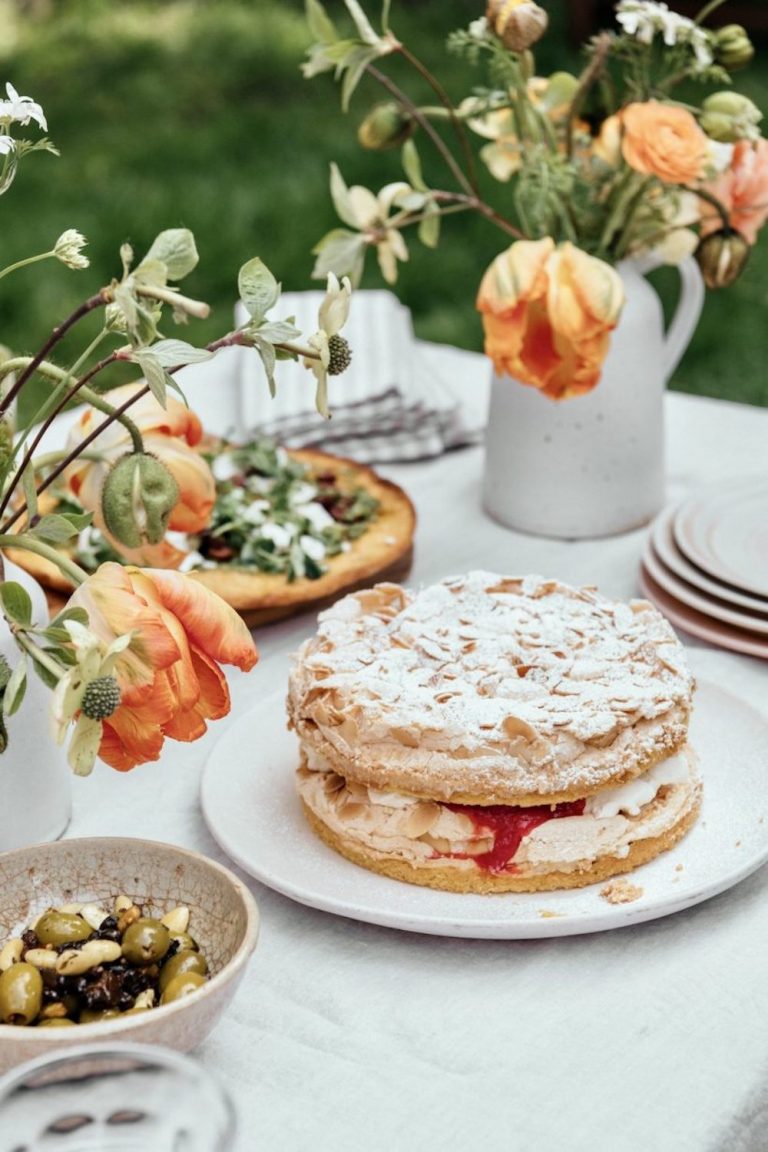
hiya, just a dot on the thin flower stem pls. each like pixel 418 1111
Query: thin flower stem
pixel 478 205
pixel 707 10
pixel 434 135
pixel 101 297
pixel 35 651
pixel 96 401
pixel 29 544
pixel 713 200
pixel 447 103
pixel 602 46
pixel 23 263
pixel 50 403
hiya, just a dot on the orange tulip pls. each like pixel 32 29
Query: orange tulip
pixel 169 433
pixel 742 190
pixel 169 675
pixel 663 140
pixel 548 313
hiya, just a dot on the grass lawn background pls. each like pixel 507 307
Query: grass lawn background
pixel 194 113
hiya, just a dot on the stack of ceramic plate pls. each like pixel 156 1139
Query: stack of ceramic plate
pixel 705 565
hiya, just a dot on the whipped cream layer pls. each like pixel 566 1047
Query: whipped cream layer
pixel 428 832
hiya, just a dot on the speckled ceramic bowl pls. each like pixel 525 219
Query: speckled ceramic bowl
pixel 224 920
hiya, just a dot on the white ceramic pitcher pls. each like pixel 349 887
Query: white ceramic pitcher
pixel 35 779
pixel 593 465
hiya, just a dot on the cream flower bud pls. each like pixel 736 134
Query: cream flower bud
pixel 721 256
pixel 733 47
pixel 137 499
pixel 385 126
pixel 729 116
pixel 68 248
pixel 517 23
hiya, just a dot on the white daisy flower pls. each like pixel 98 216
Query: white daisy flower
pixel 21 109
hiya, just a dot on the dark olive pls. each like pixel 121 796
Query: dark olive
pixel 61 928
pixel 145 941
pixel 21 994
pixel 185 961
pixel 182 985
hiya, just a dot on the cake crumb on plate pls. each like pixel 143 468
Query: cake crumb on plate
pixel 621 892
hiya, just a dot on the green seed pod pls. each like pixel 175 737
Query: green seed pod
pixel 137 500
pixel 341 355
pixel 101 698
pixel 733 47
pixel 385 126
pixel 721 256
pixel 728 117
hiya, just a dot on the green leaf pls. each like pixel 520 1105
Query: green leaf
pixel 79 520
pixel 341 252
pixel 45 675
pixel 54 528
pixel 176 249
pixel 169 353
pixel 30 490
pixel 267 353
pixel 341 198
pixel 16 603
pixel 412 166
pixel 15 688
pixel 320 24
pixel 356 63
pixel 56 632
pixel 278 331
pixel 150 272
pixel 429 228
pixel 258 288
pixel 364 29
pixel 154 374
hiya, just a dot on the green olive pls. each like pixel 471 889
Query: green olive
pixel 56 1022
pixel 21 994
pixel 185 961
pixel 96 1015
pixel 135 1010
pixel 61 928
pixel 145 941
pixel 186 942
pixel 182 985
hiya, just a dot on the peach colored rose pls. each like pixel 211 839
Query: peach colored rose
pixel 169 433
pixel 548 313
pixel 169 675
pixel 742 190
pixel 663 140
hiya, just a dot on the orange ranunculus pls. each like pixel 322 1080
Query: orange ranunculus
pixel 743 191
pixel 169 675
pixel 663 140
pixel 170 433
pixel 548 313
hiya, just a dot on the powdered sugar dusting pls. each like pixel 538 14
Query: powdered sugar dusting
pixel 489 666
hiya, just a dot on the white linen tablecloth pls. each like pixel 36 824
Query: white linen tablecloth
pixel 345 1037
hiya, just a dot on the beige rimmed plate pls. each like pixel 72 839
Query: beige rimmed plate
pixel 724 531
pixel 702 626
pixel 691 598
pixel 249 802
pixel 663 539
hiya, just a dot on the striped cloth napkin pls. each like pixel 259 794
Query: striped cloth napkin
pixel 388 406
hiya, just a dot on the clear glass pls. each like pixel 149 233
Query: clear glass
pixel 114 1098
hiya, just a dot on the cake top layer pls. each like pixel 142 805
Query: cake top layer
pixel 488 666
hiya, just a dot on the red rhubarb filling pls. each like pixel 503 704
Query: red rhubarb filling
pixel 508 826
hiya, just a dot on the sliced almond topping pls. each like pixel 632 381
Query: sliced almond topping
pixel 514 726
pixel 421 819
pixel 406 737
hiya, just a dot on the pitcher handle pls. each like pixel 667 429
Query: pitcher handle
pixel 688 309
pixel 686 316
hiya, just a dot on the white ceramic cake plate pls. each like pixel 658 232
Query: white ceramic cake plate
pixel 250 805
